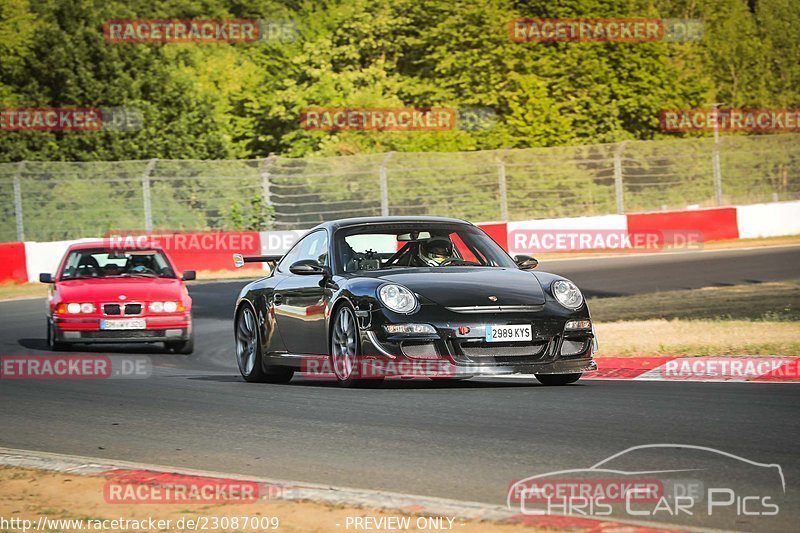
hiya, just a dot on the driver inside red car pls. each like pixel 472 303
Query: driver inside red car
pixel 141 264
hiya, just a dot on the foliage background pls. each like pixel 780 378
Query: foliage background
pixel 243 102
pixel 223 101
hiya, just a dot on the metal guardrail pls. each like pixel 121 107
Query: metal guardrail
pixel 44 200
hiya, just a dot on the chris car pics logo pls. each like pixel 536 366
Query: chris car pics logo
pixel 657 482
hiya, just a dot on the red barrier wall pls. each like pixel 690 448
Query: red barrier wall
pixel 12 262
pixel 497 231
pixel 713 224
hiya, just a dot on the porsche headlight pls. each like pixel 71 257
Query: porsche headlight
pixel 567 294
pixel 397 298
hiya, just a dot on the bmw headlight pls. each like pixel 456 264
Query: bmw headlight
pixel 397 298
pixel 567 294
pixel 165 307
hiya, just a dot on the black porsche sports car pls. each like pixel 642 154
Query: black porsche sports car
pixel 367 298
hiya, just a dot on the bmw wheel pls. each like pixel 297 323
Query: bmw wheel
pixel 52 343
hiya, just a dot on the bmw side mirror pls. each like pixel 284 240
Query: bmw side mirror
pixel 46 277
pixel 308 267
pixel 189 275
pixel 526 262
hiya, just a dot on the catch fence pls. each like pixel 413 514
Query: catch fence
pixel 46 200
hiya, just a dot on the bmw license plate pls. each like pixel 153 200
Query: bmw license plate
pixel 133 323
pixel 517 333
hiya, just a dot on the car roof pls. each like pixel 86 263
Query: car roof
pixel 360 221
pixel 108 244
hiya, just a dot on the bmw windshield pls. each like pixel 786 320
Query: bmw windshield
pixel 99 263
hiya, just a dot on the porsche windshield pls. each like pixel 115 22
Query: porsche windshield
pixel 371 247
pixel 110 264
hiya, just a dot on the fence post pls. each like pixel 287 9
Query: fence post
pixel 18 201
pixel 148 210
pixel 384 185
pixel 266 193
pixel 501 186
pixel 715 159
pixel 619 190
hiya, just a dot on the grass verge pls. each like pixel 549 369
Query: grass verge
pixel 752 319
pixel 16 291
pixel 771 302
pixel 697 337
pixel 27 494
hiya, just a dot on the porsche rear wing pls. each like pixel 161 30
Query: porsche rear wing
pixel 239 260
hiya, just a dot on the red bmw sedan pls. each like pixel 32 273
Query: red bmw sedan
pixel 103 294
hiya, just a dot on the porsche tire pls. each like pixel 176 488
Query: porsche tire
pixel 345 350
pixel 558 379
pixel 248 351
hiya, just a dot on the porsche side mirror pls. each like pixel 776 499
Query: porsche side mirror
pixel 308 267
pixel 526 262
pixel 46 277
pixel 189 275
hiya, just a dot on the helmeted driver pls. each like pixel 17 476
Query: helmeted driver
pixel 435 251
pixel 139 264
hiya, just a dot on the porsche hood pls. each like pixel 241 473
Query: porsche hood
pixel 462 287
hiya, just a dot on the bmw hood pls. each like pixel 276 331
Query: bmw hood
pixel 464 286
pixel 110 289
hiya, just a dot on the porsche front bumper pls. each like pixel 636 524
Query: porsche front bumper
pixel 458 347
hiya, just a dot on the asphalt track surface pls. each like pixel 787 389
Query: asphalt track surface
pixel 465 441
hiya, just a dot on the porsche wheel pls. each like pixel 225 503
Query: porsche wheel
pixel 558 379
pixel 345 349
pixel 248 352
